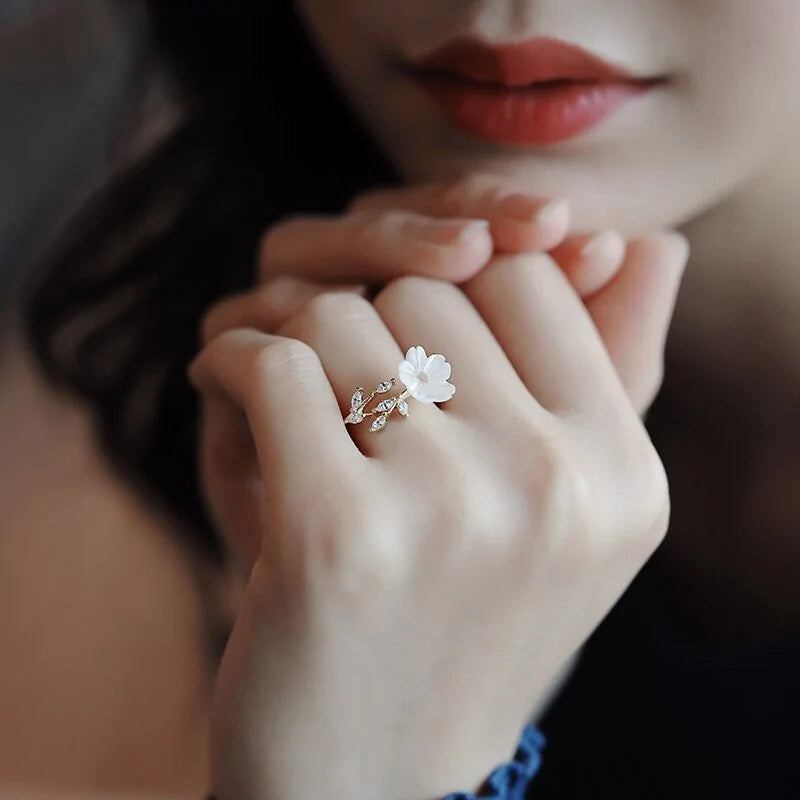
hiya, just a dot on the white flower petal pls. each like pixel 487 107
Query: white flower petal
pixel 422 393
pixel 418 390
pixel 440 392
pixel 425 378
pixel 437 368
pixel 407 373
pixel 433 392
pixel 418 357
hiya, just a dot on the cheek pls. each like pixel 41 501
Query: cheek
pixel 744 60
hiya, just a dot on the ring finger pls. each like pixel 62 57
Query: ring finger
pixel 357 350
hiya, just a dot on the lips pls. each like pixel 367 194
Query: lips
pixel 539 92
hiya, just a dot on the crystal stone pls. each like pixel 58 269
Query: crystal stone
pixel 402 407
pixel 353 417
pixel 378 423
pixel 357 399
pixel 386 405
pixel 384 387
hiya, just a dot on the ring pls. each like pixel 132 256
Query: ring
pixel 425 378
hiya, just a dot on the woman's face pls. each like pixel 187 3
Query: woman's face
pixel 665 107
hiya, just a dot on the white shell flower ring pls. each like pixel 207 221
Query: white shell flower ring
pixel 425 378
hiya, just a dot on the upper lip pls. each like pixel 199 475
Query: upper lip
pixel 541 60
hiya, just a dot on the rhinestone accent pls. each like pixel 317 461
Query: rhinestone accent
pixel 357 399
pixel 354 417
pixel 384 387
pixel 378 423
pixel 402 407
pixel 386 405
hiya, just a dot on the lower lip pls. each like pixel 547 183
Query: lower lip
pixel 535 116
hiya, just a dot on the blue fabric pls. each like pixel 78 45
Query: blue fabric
pixel 510 781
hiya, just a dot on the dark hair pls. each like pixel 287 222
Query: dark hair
pixel 114 316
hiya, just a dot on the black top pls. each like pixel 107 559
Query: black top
pixel 649 714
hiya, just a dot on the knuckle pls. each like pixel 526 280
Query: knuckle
pixel 363 555
pixel 588 513
pixel 650 383
pixel 557 492
pixel 656 494
pixel 376 227
pixel 285 359
pixel 377 561
pixel 373 231
pixel 568 510
pixel 406 291
pixel 334 308
pixel 647 487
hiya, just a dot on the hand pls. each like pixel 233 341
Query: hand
pixel 441 231
pixel 435 231
pixel 357 643
pixel 450 231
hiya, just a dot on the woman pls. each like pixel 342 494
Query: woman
pixel 405 614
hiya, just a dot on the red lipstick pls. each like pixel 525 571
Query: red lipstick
pixel 539 92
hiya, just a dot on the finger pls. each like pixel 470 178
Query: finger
pixel 375 246
pixel 265 307
pixel 632 313
pixel 547 333
pixel 590 261
pixel 438 316
pixel 357 350
pixel 519 220
pixel 280 385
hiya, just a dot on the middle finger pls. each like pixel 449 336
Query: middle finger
pixel 439 316
pixel 547 332
pixel 357 350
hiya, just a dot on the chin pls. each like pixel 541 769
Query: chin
pixel 632 174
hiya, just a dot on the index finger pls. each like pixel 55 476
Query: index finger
pixel 375 246
pixel 520 220
pixel 289 403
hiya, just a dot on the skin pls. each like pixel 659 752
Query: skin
pixel 711 152
pixel 611 275
pixel 511 299
pixel 375 566
pixel 708 145
pixel 717 122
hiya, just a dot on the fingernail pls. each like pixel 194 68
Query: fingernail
pixel 681 245
pixel 605 246
pixel 551 212
pixel 470 232
pixel 452 231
